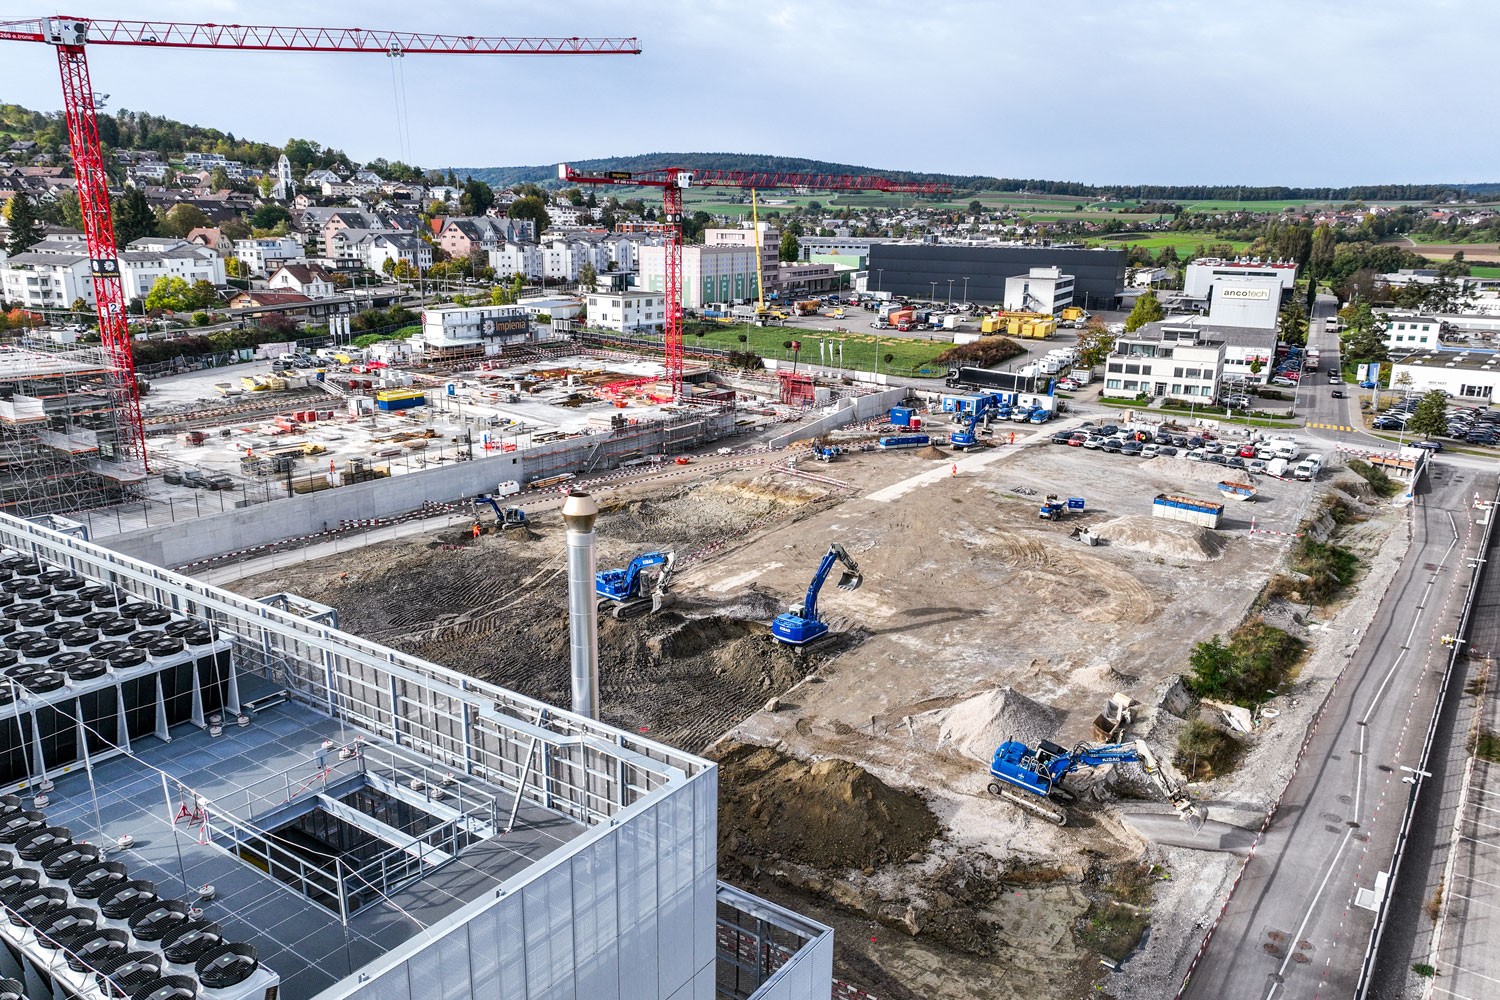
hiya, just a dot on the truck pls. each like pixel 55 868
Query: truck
pixel 901 319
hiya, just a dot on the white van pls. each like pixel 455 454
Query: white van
pixel 1276 468
pixel 1308 469
pixel 1285 449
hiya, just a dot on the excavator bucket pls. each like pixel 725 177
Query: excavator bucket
pixel 1193 815
pixel 850 580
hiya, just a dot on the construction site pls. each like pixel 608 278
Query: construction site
pixel 854 769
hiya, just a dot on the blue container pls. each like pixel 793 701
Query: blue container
pixel 901 416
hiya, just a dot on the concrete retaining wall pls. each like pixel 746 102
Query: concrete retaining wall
pixel 186 541
pixel 850 410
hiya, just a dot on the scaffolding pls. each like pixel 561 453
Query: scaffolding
pixel 60 433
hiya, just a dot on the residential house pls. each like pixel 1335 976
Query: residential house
pixel 627 312
pixel 347 219
pixel 394 247
pixel 56 271
pixel 263 255
pixel 1165 361
pixel 213 238
pixel 256 298
pixel 305 279
pixel 145 261
pixel 513 257
pixel 317 178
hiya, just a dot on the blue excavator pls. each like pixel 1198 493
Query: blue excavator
pixel 801 625
pixel 983 413
pixel 505 517
pixel 1039 772
pixel 624 593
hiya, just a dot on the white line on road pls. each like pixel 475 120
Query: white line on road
pixel 1348 832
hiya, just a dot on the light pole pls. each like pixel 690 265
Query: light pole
pixel 934 290
pixel 966 289
pixel 950 291
pixel 880 279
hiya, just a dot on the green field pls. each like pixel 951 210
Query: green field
pixel 1155 241
pixel 1246 206
pixel 1484 271
pixel 860 350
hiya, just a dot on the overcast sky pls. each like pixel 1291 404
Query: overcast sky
pixel 1300 92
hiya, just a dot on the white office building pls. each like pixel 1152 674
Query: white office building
pixel 1039 290
pixel 55 273
pixel 475 329
pixel 46 280
pixel 1407 332
pixel 511 257
pixel 1244 300
pixel 627 312
pixel 1165 361
pixel 1200 274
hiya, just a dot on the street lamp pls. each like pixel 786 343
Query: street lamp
pixel 950 291
pixel 934 290
pixel 880 279
pixel 966 290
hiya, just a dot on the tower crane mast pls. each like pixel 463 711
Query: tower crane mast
pixel 71 36
pixel 674 180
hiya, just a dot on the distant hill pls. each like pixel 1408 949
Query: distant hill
pixel 546 174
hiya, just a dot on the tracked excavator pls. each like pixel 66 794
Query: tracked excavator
pixel 801 625
pixel 1032 778
pixel 505 517
pixel 623 592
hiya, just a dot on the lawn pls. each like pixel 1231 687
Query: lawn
pixel 1155 241
pixel 911 357
pixel 1484 271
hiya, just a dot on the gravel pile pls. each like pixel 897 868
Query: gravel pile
pixel 977 725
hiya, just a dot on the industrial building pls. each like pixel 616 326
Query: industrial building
pixel 978 273
pixel 1040 290
pixel 1245 301
pixel 1407 332
pixel 58 432
pixel 1469 375
pixel 211 795
pixel 1199 274
pixel 709 273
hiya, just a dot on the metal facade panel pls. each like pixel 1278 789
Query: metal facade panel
pixel 453 965
pixel 596 934
pixel 511 947
pixel 636 902
pixel 675 940
pixel 484 954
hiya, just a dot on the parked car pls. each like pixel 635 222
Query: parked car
pixel 1150 450
pixel 1094 442
pixel 1283 382
pixel 1166 451
pixel 1062 437
pixel 1196 455
pixel 1132 448
pixel 1255 465
pixel 1337 394
pixel 1212 447
pixel 1113 444
pixel 1246 450
pixel 1216 459
pixel 1429 445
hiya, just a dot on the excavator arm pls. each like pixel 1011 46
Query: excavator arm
pixel 1135 752
pixel 850 579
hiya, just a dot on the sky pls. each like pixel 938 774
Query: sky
pixel 1294 92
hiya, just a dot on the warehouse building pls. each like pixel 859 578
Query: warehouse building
pixel 1469 375
pixel 1248 301
pixel 925 270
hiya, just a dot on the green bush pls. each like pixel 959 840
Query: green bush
pixel 1329 568
pixel 200 319
pixel 1380 483
pixel 1204 750
pixel 1258 658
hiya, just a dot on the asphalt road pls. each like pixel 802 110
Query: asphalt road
pixel 1293 927
pixel 1448 890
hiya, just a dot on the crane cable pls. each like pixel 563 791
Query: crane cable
pixel 398 105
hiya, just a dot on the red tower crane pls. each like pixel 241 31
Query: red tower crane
pixel 673 180
pixel 71 36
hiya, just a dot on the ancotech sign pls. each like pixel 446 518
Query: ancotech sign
pixel 1260 294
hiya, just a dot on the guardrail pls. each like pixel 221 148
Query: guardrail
pixel 1367 966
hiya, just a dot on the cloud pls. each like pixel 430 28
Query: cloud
pixel 1132 91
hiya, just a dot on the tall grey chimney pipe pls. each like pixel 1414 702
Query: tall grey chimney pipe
pixel 579 513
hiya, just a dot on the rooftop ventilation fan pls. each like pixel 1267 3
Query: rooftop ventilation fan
pixel 45 680
pixel 12 989
pixel 14 826
pixel 154 618
pixel 62 927
pixel 167 988
pixel 122 975
pixel 157 920
pixel 30 906
pixel 117 626
pixel 42 841
pixel 60 864
pixel 93 881
pixel 89 951
pixel 191 941
pixel 124 898
pixel 225 966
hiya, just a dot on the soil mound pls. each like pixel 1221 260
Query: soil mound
pixel 979 724
pixel 832 814
pixel 931 451
pixel 1158 537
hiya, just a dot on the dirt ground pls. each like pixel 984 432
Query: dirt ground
pixel 853 775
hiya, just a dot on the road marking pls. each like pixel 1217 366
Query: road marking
pixel 1311 906
pixel 1492 906
pixel 1461 996
pixel 1333 427
pixel 1471 972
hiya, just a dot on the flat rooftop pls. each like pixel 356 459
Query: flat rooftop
pixel 301 940
pixel 1477 361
